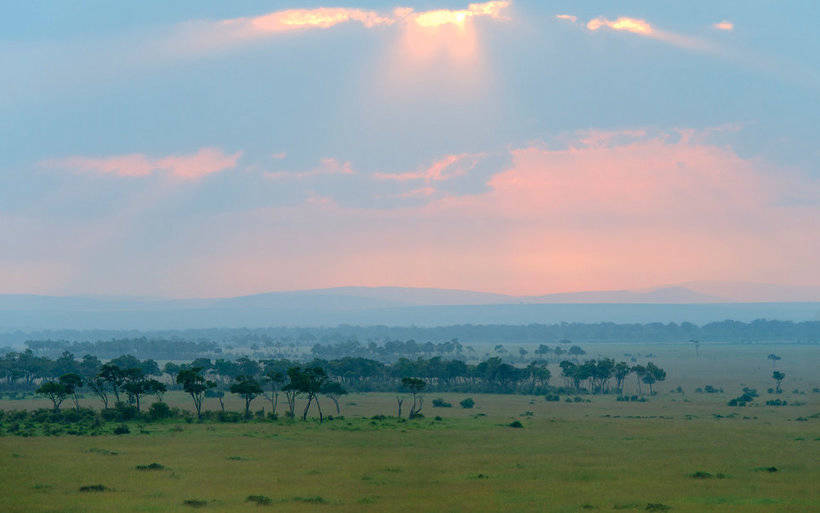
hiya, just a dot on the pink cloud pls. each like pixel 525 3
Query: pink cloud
pixel 567 17
pixel 187 167
pixel 327 166
pixel 724 25
pixel 447 167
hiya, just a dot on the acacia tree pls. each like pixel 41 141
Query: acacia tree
pixel 135 385
pixel 247 388
pixel 334 389
pixel 774 359
pixel 778 377
pixel 415 386
pixel 275 379
pixel 309 381
pixel 73 383
pixel 640 373
pixel 653 375
pixel 113 376
pixel 621 371
pixel 55 391
pixel 195 384
pixel 99 386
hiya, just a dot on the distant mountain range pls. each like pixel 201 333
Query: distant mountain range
pixel 694 302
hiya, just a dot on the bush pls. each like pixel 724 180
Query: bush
pixel 160 410
pixel 467 403
pixel 516 424
pixel 701 475
pixel 553 398
pixel 441 403
pixel 260 500
pixel 657 507
pixel 122 429
pixel 151 466
pixel 93 488
pixel 777 402
pixel 195 503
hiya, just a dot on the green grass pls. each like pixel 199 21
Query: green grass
pixel 566 458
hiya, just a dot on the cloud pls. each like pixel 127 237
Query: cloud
pixel 634 25
pixel 568 17
pixel 643 28
pixel 301 19
pixel 446 168
pixel 439 17
pixel 186 167
pixel 724 25
pixel 327 166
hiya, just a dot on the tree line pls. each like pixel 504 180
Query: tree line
pixel 128 380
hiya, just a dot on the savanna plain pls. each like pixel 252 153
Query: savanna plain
pixel 681 450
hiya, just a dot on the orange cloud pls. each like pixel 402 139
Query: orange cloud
pixel 439 17
pixel 300 19
pixel 187 167
pixel 724 25
pixel 568 17
pixel 634 25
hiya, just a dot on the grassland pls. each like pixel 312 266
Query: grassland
pixel 601 455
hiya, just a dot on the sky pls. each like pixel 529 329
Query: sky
pixel 205 148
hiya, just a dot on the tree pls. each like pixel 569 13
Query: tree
pixel 135 385
pixel 73 383
pixel 112 375
pixel 640 373
pixel 195 384
pixel 415 386
pixel 653 375
pixel 55 391
pixel 334 389
pixel 247 388
pixel 774 359
pixel 275 379
pixel 621 371
pixel 309 381
pixel 778 377
pixel 99 386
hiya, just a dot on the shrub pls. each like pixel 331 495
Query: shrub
pixel 195 503
pixel 657 506
pixel 122 429
pixel 151 466
pixel 553 398
pixel 777 402
pixel 260 500
pixel 311 500
pixel 766 469
pixel 701 475
pixel 93 488
pixel 467 403
pixel 441 403
pixel 159 410
pixel 516 424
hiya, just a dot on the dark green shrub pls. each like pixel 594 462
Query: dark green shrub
pixel 516 424
pixel 122 429
pixel 467 403
pixel 151 466
pixel 441 403
pixel 553 398
pixel 159 410
pixel 259 500
pixel 311 500
pixel 93 488
pixel 657 507
pixel 701 475
pixel 195 503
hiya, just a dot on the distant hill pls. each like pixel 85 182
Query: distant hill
pixel 397 306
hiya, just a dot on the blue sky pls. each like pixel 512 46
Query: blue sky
pixel 214 148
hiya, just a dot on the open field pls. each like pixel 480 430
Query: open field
pixel 567 458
